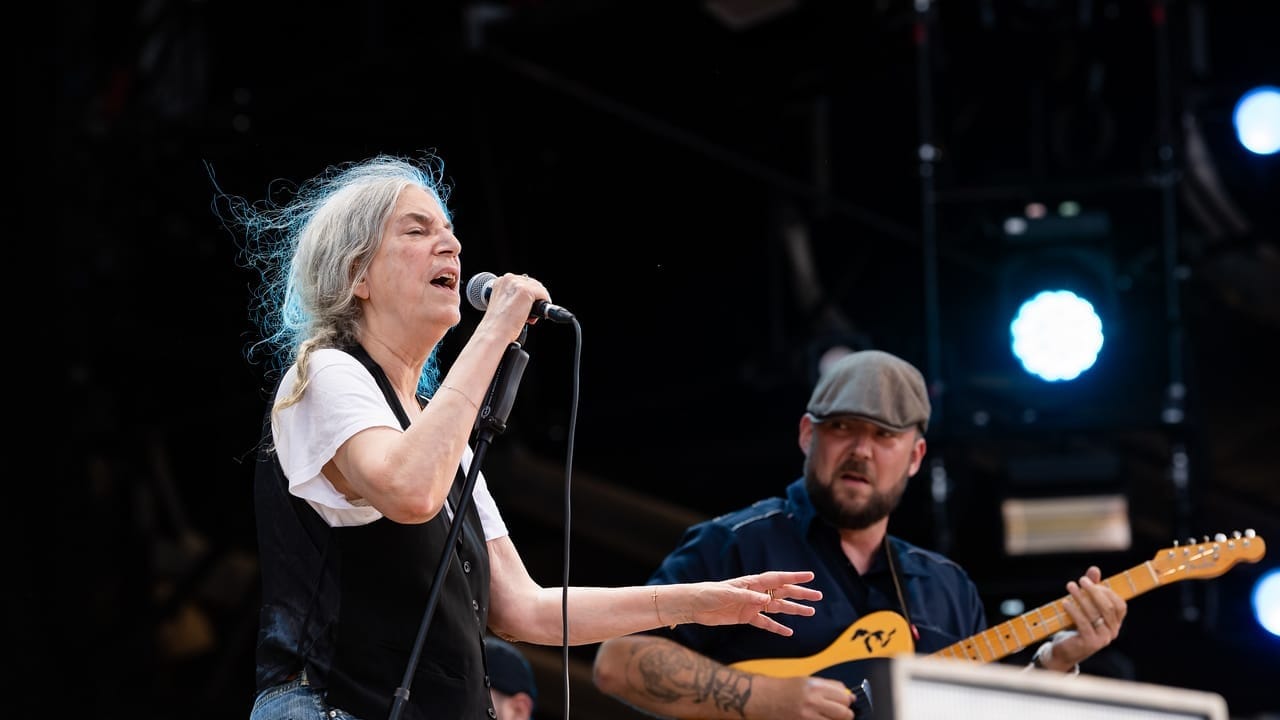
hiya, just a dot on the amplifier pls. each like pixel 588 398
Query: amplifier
pixel 920 687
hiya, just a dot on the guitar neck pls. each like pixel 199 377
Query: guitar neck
pixel 1014 635
pixel 1206 560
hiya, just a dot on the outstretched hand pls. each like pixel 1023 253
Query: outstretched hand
pixel 746 599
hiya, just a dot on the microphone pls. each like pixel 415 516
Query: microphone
pixel 481 284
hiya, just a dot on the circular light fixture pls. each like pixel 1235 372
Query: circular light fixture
pixel 1257 120
pixel 1056 335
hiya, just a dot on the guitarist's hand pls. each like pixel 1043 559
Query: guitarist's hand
pixel 806 698
pixel 1097 612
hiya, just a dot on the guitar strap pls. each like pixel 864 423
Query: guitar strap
pixel 897 585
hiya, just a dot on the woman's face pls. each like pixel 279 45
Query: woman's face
pixel 412 283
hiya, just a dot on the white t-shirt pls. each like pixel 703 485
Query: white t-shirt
pixel 342 400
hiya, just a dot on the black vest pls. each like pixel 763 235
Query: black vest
pixel 346 603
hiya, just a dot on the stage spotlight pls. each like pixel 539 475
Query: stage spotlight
pixel 1266 601
pixel 1257 120
pixel 1056 335
pixel 1058 285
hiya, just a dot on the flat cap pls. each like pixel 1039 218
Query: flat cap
pixel 872 385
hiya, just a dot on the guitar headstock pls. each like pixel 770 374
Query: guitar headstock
pixel 1209 557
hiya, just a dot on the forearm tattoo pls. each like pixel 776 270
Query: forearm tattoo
pixel 669 675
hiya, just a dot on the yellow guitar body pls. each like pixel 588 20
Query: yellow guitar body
pixel 878 634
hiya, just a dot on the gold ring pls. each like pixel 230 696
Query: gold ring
pixel 1099 621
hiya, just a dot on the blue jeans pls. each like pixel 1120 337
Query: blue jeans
pixel 295 700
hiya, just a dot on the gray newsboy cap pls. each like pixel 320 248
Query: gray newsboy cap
pixel 875 386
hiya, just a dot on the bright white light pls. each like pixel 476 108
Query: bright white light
pixel 1266 601
pixel 1056 335
pixel 1257 120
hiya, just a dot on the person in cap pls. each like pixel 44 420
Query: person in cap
pixel 863 437
pixel 511 680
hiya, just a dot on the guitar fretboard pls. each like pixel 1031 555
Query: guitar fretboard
pixel 1173 564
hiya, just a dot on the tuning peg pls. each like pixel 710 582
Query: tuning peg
pixel 1219 538
pixel 1250 533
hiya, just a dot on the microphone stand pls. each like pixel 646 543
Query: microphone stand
pixel 492 419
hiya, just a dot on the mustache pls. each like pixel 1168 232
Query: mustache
pixel 856 467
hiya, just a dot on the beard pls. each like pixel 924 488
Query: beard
pixel 850 515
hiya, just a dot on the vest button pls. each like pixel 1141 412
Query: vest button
pixel 475 605
pixel 466 566
pixel 487 681
pixel 493 713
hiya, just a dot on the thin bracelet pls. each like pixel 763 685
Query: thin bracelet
pixel 672 626
pixel 464 395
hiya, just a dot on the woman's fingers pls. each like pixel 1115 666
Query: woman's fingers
pixel 764 622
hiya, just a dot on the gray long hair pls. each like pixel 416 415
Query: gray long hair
pixel 311 250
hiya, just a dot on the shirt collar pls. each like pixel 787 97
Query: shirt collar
pixel 805 516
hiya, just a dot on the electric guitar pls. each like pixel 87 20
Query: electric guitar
pixel 885 633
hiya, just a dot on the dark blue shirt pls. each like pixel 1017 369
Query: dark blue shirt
pixel 785 534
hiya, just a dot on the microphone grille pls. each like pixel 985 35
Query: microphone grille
pixel 476 290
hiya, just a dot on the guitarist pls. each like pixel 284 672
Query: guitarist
pixel 862 438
